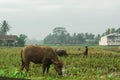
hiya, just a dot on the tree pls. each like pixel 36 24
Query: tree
pixel 0 29
pixel 109 31
pixel 49 39
pixel 97 38
pixel 112 30
pixel 118 30
pixel 68 39
pixel 80 38
pixel 4 28
pixel 21 40
pixel 74 38
pixel 62 38
pixel 59 30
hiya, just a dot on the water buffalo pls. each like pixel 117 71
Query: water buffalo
pixel 61 52
pixel 40 55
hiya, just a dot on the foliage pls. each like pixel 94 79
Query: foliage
pixel 64 38
pixel 59 30
pixel 21 40
pixel 111 30
pixel 118 30
pixel 4 28
pixel 3 32
pixel 61 36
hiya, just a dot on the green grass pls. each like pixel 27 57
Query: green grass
pixel 102 63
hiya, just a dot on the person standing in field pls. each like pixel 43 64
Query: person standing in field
pixel 86 51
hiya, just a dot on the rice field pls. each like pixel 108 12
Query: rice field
pixel 102 63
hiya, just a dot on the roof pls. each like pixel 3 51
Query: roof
pixel 8 37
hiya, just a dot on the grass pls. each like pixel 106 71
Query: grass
pixel 102 63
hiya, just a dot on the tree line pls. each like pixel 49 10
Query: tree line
pixel 4 29
pixel 61 36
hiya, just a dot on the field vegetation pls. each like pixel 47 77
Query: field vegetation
pixel 102 63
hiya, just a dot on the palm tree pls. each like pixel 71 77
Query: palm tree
pixel 4 28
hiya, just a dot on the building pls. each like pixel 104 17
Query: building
pixel 8 40
pixel 111 39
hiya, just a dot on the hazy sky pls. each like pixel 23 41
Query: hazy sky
pixel 37 18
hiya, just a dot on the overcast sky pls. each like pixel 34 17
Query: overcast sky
pixel 37 18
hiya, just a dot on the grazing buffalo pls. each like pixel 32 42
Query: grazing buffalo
pixel 40 55
pixel 61 52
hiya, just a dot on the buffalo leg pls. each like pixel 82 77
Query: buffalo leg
pixel 22 66
pixel 48 68
pixel 27 66
pixel 44 69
